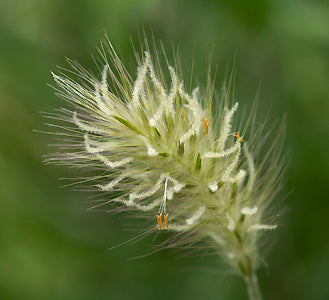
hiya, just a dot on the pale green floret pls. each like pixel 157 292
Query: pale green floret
pixel 166 103
pixel 96 147
pixel 109 186
pixel 147 207
pixel 113 164
pixel 261 227
pixel 213 186
pixel 150 150
pixel 196 109
pixel 156 148
pixel 224 153
pixel 231 223
pixel 152 191
pixel 86 127
pixel 249 211
pixel 104 86
pixel 233 164
pixel 251 167
pixel 238 177
pixel 139 83
pixel 189 222
pixel 173 90
pixel 161 93
pixel 226 127
pixel 100 101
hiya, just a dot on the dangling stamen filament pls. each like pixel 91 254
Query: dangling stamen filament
pixel 163 209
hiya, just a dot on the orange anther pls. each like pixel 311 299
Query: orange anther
pixel 183 114
pixel 238 137
pixel 165 220
pixel 206 124
pixel 159 222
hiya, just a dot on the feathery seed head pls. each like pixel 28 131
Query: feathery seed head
pixel 168 156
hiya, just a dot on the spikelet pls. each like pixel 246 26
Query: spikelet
pixel 161 150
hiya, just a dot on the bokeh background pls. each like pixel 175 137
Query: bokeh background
pixel 51 247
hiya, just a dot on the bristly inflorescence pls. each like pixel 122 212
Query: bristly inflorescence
pixel 168 156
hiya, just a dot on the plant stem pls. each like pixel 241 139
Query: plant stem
pixel 247 268
pixel 253 287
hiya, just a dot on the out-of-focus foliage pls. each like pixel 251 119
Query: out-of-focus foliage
pixel 51 247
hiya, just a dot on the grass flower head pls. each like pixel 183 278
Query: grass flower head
pixel 173 155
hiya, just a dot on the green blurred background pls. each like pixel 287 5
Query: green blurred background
pixel 51 247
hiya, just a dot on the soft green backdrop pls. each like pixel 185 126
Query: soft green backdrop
pixel 51 247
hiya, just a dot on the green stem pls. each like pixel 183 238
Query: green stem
pixel 247 268
pixel 253 287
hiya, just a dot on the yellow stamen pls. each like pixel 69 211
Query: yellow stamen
pixel 165 220
pixel 206 124
pixel 159 222
pixel 238 137
pixel 183 114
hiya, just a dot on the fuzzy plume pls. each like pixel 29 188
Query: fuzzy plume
pixel 163 150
